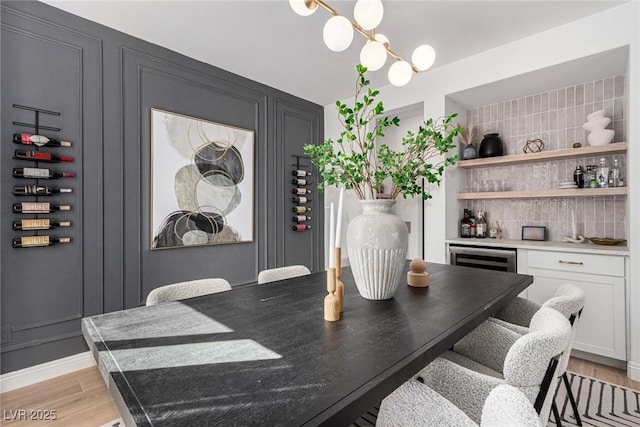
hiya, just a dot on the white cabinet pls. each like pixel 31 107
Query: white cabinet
pixel 602 326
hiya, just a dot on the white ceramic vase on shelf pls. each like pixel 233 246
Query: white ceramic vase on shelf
pixel 377 240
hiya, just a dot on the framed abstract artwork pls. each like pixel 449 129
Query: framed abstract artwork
pixel 201 182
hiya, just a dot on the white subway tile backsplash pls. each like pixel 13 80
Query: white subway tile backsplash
pixel 556 117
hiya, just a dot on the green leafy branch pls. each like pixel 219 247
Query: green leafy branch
pixel 360 165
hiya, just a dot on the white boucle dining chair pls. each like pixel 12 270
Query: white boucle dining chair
pixel 190 289
pixel 281 273
pixel 568 300
pixel 415 404
pixel 491 355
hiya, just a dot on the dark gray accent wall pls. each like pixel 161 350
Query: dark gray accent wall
pixel 104 83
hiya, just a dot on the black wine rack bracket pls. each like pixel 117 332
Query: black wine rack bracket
pixel 37 128
pixel 300 226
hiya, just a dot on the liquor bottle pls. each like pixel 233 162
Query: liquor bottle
pixel 300 191
pixel 300 199
pixel 38 207
pixel 300 173
pixel 593 182
pixel 603 174
pixel 474 224
pixel 300 227
pixel 587 177
pixel 37 241
pixel 300 218
pixel 481 225
pixel 38 224
pixel 38 190
pixel 40 173
pixel 39 140
pixel 465 225
pixel 615 174
pixel 40 156
pixel 578 177
pixel 300 181
pixel 300 209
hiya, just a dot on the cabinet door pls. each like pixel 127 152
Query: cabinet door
pixel 602 325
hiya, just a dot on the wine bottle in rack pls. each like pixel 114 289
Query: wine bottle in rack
pixel 300 209
pixel 38 241
pixel 300 227
pixel 38 207
pixel 300 218
pixel 40 156
pixel 39 140
pixel 38 224
pixel 300 181
pixel 38 190
pixel 300 191
pixel 300 199
pixel 40 173
pixel 300 173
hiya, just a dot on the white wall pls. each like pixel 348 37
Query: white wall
pixel 607 30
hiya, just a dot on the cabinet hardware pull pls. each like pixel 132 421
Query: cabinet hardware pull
pixel 570 262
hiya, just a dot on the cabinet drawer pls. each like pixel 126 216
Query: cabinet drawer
pixel 607 265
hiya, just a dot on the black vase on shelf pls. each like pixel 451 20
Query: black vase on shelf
pixel 491 145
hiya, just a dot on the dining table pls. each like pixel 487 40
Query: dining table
pixel 263 355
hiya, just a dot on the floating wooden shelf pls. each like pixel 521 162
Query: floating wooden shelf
pixel 618 147
pixel 572 192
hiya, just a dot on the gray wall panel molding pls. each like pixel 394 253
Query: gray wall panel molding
pixel 105 83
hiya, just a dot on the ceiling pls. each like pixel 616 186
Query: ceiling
pixel 267 42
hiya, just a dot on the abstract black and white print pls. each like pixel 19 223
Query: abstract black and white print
pixel 201 182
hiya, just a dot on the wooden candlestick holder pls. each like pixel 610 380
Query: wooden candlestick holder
pixel 331 302
pixel 339 284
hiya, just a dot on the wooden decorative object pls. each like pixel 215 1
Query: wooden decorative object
pixel 331 302
pixel 418 276
pixel 339 284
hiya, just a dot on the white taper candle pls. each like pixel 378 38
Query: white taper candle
pixel 332 238
pixel 339 220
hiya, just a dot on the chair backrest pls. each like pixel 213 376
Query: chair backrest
pixel 528 358
pixel 506 406
pixel 568 300
pixel 281 273
pixel 182 290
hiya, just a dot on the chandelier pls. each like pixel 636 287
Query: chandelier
pixel 338 35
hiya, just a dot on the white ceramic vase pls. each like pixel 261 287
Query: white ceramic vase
pixel 377 240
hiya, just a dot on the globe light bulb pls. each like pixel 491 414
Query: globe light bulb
pixel 337 33
pixel 300 7
pixel 423 57
pixel 373 55
pixel 382 38
pixel 400 73
pixel 368 13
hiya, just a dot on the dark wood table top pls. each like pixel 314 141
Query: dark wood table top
pixel 263 355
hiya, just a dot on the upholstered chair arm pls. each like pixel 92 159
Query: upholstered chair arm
pixel 507 406
pixel 487 344
pixel 519 311
pixel 415 404
pixel 463 387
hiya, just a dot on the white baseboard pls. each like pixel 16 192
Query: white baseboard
pixel 46 371
pixel 633 370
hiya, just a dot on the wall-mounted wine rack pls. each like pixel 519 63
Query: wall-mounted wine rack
pixel 301 182
pixel 30 152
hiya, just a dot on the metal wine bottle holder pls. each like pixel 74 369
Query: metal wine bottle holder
pixel 37 128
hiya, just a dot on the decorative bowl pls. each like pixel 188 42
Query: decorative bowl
pixel 606 241
pixel 601 137
pixel 596 114
pixel 597 124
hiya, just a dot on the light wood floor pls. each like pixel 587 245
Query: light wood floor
pixel 82 399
